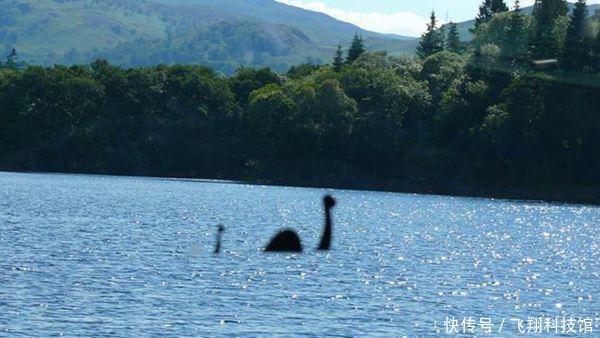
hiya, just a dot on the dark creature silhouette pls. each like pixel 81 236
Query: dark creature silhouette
pixel 220 229
pixel 288 240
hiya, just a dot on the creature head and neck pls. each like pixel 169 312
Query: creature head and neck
pixel 325 244
pixel 220 229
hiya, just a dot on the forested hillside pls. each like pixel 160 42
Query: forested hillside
pixel 516 108
pixel 223 34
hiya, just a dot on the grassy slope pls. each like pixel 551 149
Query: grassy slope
pixel 133 32
pixel 45 27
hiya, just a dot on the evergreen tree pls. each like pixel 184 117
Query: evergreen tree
pixel 484 14
pixel 356 48
pixel 517 8
pixel 488 9
pixel 543 43
pixel 516 35
pixel 453 43
pixel 432 41
pixel 12 59
pixel 338 60
pixel 443 34
pixel 498 6
pixel 577 46
pixel 596 52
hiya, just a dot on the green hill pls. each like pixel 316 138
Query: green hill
pixel 225 34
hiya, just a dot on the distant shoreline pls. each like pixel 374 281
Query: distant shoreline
pixel 569 196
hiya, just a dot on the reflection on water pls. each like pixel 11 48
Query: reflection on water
pixel 99 256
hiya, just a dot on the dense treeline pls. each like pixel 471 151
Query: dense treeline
pixel 480 114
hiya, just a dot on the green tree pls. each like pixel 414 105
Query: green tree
pixel 389 108
pixel 246 80
pixel 12 59
pixel 488 9
pixel 442 71
pixel 515 44
pixel 576 53
pixel 596 51
pixel 432 41
pixel 499 6
pixel 268 126
pixel 507 31
pixel 484 14
pixel 302 70
pixel 338 60
pixel 544 42
pixel 333 121
pixel 357 48
pixel 453 43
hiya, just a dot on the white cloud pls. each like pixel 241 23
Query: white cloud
pixel 403 23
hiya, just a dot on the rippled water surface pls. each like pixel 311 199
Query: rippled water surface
pixel 105 256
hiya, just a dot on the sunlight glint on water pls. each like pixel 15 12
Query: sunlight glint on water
pixel 98 256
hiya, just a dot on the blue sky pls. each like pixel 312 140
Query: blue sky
pixel 405 17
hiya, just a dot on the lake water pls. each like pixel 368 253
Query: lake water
pixel 104 256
